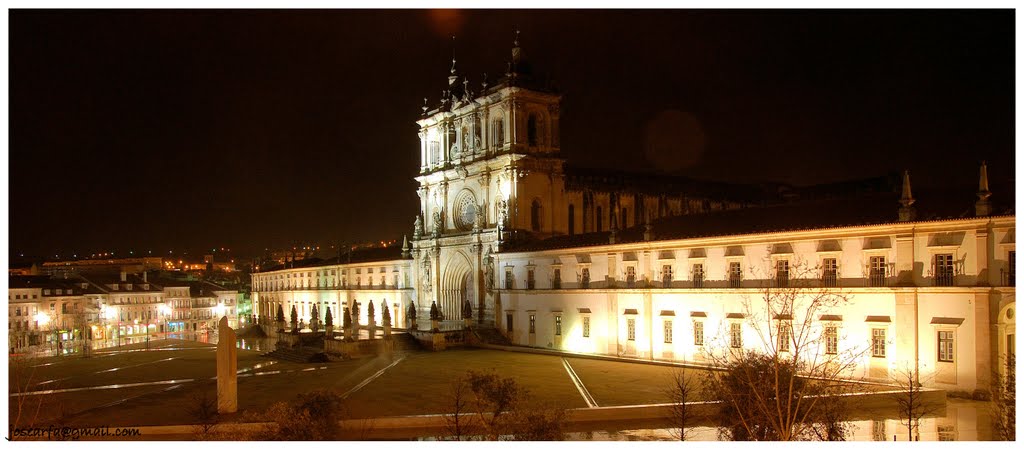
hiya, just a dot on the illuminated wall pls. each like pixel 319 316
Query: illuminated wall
pixel 911 308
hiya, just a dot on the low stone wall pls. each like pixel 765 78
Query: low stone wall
pixel 578 419
pixel 358 349
pixel 292 340
pixel 440 340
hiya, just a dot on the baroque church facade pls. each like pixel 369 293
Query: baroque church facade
pixel 558 257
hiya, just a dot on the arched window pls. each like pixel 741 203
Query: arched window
pixel 598 217
pixel 531 130
pixel 535 215
pixel 625 216
pixel 435 153
pixel 572 219
pixel 498 132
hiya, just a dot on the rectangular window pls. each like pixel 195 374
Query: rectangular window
pixel 781 273
pixel 1011 262
pixel 946 433
pixel 508 322
pixel 630 276
pixel 508 278
pixel 876 271
pixel 831 340
pixel 666 275
pixel 556 279
pixel 585 277
pixel 530 278
pixel 533 323
pixel 735 274
pixel 698 333
pixel 946 346
pixel 829 272
pixel 631 329
pixel 558 325
pixel 698 275
pixel 736 335
pixel 878 342
pixel 586 326
pixel 668 331
pixel 943 269
pixel 878 430
pixel 785 335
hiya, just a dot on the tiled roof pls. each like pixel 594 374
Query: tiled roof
pixel 359 255
pixel 604 180
pixel 827 212
pixel 132 283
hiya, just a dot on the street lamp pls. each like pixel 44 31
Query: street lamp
pixel 42 319
pixel 164 311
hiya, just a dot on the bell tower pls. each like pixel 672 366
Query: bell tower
pixel 489 168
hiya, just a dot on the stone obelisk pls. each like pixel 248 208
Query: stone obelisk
pixel 227 369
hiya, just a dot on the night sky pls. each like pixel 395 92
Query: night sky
pixel 164 130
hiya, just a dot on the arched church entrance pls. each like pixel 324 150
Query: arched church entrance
pixel 456 287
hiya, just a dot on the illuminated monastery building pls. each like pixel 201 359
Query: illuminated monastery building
pixel 658 267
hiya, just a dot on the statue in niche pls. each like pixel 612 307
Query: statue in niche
pixel 425 278
pixel 488 269
pixel 438 227
pixel 417 227
pixel 478 219
pixel 502 214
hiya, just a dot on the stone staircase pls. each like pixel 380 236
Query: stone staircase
pixel 489 335
pixel 405 342
pixel 301 355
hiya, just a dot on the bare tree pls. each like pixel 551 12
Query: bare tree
pixel 503 410
pixel 785 389
pixel 911 406
pixel 493 396
pixel 539 422
pixel 460 423
pixel 681 390
pixel 311 416
pixel 24 409
pixel 1004 402
pixel 203 410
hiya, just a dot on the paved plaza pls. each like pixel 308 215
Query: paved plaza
pixel 136 386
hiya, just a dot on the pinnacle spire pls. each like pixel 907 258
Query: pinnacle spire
pixel 983 191
pixel 907 212
pixel 906 199
pixel 983 206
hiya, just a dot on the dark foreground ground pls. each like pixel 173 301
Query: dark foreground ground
pixel 135 386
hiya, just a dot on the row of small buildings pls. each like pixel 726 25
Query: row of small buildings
pixel 48 312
